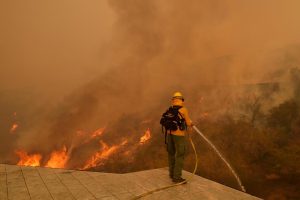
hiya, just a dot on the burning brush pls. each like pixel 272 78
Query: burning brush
pixel 60 158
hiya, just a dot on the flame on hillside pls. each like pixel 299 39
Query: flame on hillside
pixel 58 159
pixel 97 133
pixel 103 154
pixel 145 137
pixel 83 137
pixel 28 160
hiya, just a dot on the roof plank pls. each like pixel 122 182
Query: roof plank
pixel 60 184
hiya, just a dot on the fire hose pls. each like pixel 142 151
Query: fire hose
pixel 196 166
pixel 222 158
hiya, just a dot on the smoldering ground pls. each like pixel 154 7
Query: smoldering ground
pixel 61 77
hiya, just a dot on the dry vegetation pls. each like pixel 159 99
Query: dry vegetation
pixel 262 145
pixel 259 135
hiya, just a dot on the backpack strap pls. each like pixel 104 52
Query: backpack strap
pixel 181 115
pixel 178 107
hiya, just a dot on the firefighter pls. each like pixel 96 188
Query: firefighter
pixel 176 145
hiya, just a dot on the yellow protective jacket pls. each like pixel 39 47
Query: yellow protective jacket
pixel 184 112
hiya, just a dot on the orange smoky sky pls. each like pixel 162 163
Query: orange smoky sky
pixel 52 46
pixel 107 51
pixel 56 46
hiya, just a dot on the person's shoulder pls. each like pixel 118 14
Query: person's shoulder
pixel 183 109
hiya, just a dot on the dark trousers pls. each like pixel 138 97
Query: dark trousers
pixel 176 150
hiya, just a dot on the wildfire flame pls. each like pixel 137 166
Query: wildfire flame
pixel 14 128
pixel 84 137
pixel 145 137
pixel 97 132
pixel 100 156
pixel 204 115
pixel 28 160
pixel 58 159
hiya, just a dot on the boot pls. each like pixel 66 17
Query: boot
pixel 179 180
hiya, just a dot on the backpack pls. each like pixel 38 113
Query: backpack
pixel 172 120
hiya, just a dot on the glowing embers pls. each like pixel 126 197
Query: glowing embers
pixel 13 128
pixel 28 160
pixel 97 132
pixel 15 125
pixel 58 159
pixel 204 115
pixel 103 154
pixel 145 137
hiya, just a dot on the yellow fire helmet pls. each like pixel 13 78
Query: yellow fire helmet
pixel 178 95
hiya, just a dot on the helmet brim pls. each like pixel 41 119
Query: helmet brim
pixel 178 97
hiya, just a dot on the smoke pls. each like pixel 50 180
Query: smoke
pixel 79 75
pixel 50 49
